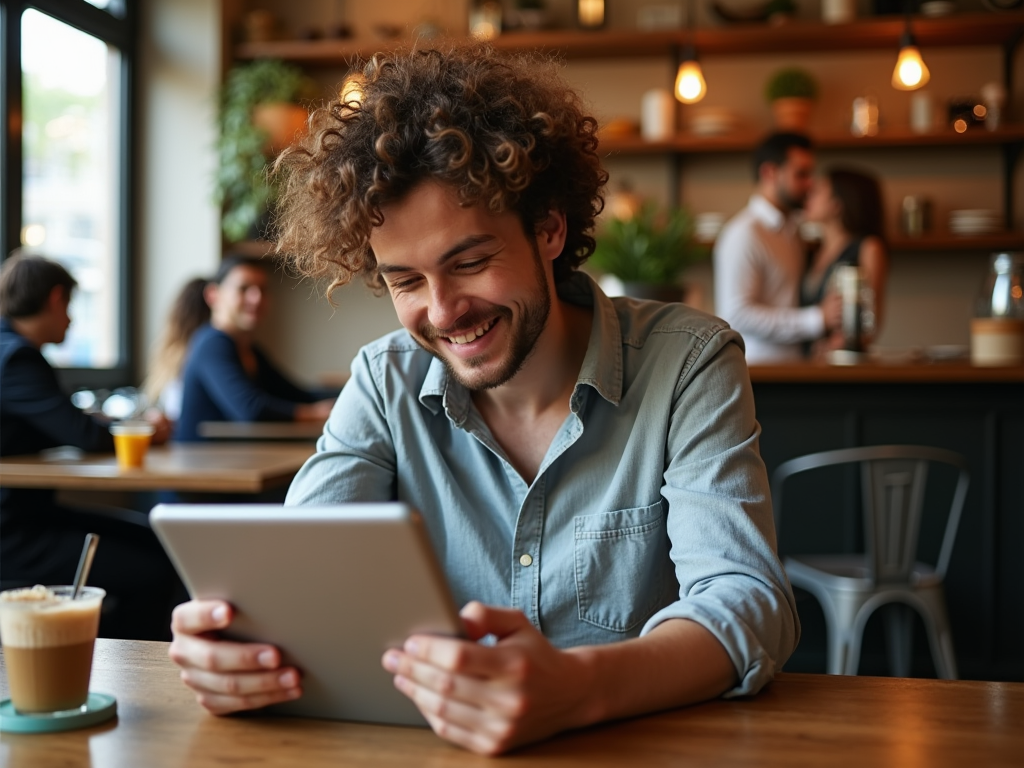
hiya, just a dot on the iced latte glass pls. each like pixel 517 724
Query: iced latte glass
pixel 48 640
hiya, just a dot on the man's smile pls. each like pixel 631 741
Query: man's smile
pixel 474 334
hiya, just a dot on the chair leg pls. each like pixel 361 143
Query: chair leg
pixel 838 650
pixel 838 618
pixel 940 638
pixel 843 639
pixel 899 629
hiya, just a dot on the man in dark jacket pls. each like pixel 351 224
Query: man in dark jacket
pixel 40 540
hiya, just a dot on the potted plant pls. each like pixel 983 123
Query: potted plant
pixel 649 251
pixel 259 115
pixel 791 93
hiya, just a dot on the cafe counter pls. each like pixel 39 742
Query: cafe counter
pixel 975 411
pixel 886 373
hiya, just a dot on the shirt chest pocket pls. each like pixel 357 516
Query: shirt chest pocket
pixel 621 559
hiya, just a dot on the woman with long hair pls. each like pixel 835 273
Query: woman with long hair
pixel 848 207
pixel 163 383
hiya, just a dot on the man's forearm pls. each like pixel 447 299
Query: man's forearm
pixel 678 663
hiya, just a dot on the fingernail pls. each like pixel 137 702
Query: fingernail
pixel 412 647
pixel 289 679
pixel 220 614
pixel 390 661
pixel 267 659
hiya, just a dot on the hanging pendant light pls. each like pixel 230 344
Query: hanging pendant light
pixel 910 72
pixel 690 86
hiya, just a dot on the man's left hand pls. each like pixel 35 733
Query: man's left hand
pixel 490 699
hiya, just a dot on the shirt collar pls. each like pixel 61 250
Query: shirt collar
pixel 768 214
pixel 601 369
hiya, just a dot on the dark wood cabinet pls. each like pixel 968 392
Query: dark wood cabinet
pixel 982 419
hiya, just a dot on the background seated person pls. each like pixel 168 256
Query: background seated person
pixel 188 314
pixel 587 468
pixel 227 376
pixel 40 540
pixel 848 205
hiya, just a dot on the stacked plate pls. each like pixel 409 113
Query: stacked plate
pixel 974 221
pixel 712 121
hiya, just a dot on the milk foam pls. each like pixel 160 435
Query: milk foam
pixel 33 619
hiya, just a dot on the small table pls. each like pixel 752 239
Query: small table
pixel 797 721
pixel 306 431
pixel 186 467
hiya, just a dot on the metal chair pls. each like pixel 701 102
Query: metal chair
pixel 851 587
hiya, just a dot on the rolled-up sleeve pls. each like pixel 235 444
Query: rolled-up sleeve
pixel 720 519
pixel 355 456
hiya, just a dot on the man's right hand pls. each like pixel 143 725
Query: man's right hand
pixel 227 676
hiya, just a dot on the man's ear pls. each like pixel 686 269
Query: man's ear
pixel 551 235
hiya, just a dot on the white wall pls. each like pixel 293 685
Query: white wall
pixel 179 231
pixel 309 338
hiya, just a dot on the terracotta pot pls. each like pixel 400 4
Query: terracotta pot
pixel 283 123
pixel 792 113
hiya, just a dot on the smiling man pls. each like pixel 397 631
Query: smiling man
pixel 587 467
pixel 227 376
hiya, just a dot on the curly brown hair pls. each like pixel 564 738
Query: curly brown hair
pixel 505 131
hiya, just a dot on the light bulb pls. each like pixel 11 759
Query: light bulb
pixel 910 72
pixel 690 85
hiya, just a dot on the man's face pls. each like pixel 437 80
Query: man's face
pixel 239 302
pixel 469 285
pixel 59 319
pixel 793 179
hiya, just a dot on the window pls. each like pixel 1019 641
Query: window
pixel 66 179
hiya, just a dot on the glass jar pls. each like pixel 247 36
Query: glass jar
pixel 997 330
pixel 1002 292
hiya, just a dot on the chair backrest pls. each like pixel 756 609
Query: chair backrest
pixel 893 479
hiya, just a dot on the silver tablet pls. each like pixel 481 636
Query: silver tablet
pixel 332 587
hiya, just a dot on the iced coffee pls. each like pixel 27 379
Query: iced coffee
pixel 48 640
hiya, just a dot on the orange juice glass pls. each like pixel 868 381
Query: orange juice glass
pixel 131 441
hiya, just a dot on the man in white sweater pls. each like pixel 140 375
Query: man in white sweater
pixel 760 260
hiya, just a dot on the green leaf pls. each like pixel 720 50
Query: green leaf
pixel 242 186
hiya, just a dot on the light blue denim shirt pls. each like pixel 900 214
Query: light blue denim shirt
pixel 652 501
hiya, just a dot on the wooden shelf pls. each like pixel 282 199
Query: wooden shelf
pixel 745 141
pixel 959 30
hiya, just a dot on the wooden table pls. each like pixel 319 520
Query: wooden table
pixel 305 431
pixel 197 467
pixel 799 720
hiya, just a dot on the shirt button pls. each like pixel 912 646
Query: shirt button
pixel 525 560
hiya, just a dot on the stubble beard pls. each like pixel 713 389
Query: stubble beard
pixel 790 201
pixel 533 318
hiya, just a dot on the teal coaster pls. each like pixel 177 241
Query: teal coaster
pixel 98 708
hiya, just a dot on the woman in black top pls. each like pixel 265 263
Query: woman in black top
pixel 848 206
